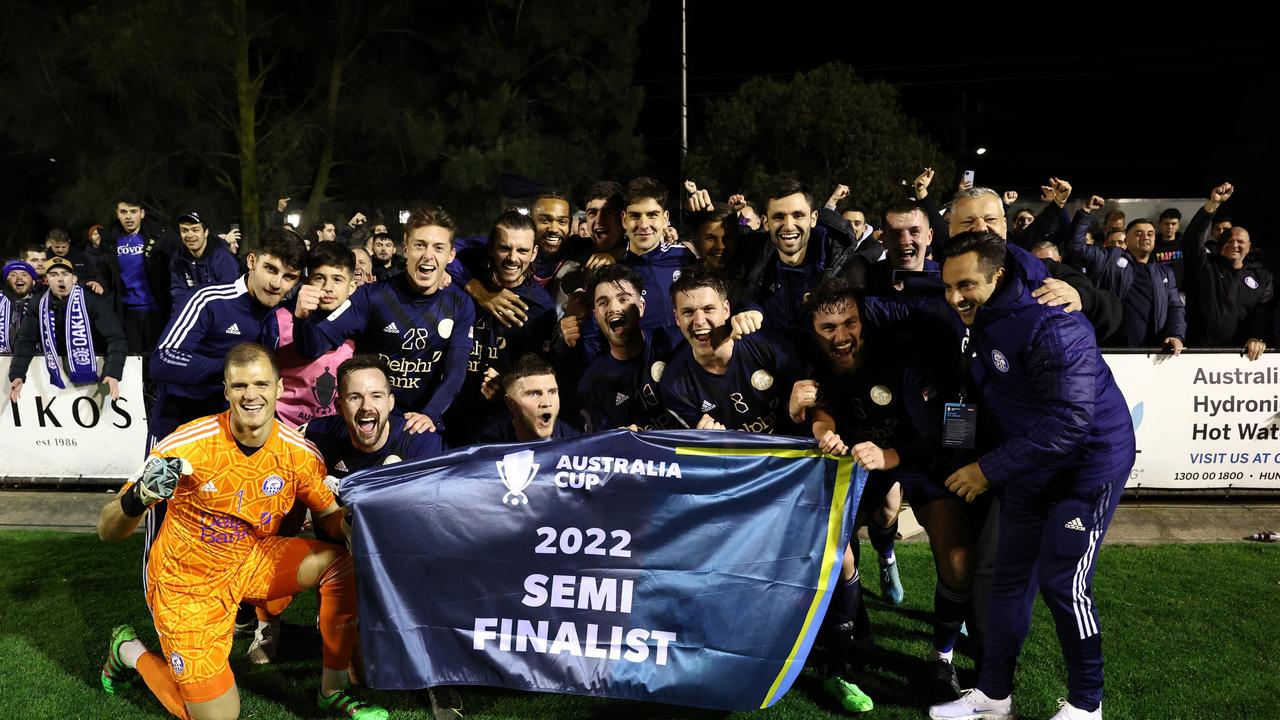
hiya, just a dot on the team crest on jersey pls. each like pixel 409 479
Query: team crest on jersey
pixel 1001 362
pixel 881 395
pixel 445 328
pixel 656 370
pixel 272 485
pixel 761 380
pixel 1122 262
pixel 177 663
pixel 1251 282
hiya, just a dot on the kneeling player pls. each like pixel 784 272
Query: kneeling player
pixel 725 380
pixel 229 479
pixel 867 400
pixel 533 399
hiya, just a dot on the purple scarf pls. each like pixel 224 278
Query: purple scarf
pixel 79 340
pixel 6 309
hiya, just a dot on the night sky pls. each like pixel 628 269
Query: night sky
pixel 1126 104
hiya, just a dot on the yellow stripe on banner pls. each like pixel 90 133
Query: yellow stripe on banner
pixel 831 554
pixel 749 452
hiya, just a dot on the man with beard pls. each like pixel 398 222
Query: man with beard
pixel 870 399
pixel 778 274
pixel 17 300
pixel 532 396
pixel 136 254
pixel 310 385
pixel 722 381
pixel 417 324
pixel 1230 294
pixel 511 251
pixel 367 431
pixel 58 242
pixel 68 326
pixel 1152 310
pixel 620 387
pixel 386 263
pixel 198 263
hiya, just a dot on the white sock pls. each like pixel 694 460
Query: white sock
pixel 939 655
pixel 130 652
pixel 267 623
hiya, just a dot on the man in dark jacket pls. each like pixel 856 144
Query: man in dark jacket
pixel 1154 314
pixel 20 294
pixel 198 262
pixel 69 327
pixel 1065 452
pixel 136 252
pixel 1230 294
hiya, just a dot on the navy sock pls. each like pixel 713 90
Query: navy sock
pixel 950 607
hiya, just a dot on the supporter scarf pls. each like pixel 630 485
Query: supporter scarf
pixel 6 309
pixel 79 340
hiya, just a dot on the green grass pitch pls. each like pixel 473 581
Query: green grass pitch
pixel 1189 631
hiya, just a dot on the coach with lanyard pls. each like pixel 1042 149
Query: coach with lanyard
pixel 68 328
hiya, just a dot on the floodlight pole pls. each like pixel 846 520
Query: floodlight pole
pixel 684 87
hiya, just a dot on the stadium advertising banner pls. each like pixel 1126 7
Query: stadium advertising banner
pixel 76 432
pixel 686 567
pixel 1203 420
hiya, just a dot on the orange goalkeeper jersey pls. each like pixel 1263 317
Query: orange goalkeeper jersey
pixel 230 499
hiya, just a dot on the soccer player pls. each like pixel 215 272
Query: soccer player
pixel 310 386
pixel 511 252
pixel 533 398
pixel 875 395
pixel 420 326
pixel 229 479
pixel 66 327
pixel 725 380
pixel 620 387
pixel 1066 448
pixel 188 364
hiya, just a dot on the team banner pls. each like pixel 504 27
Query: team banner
pixel 77 432
pixel 687 567
pixel 1203 420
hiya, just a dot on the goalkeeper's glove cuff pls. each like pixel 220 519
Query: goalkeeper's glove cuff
pixel 130 502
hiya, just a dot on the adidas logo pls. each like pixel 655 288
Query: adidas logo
pixel 620 399
pixel 1075 524
pixel 708 406
pixel 209 487
pixel 233 330
pixel 341 466
pixel 391 328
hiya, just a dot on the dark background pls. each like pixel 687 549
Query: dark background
pixel 1137 103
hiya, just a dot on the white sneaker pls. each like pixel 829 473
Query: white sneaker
pixel 973 705
pixel 265 640
pixel 1067 711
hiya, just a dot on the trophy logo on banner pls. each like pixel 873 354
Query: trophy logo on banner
pixel 517 470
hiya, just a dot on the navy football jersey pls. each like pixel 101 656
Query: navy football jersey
pixel 331 436
pixel 752 395
pixel 505 432
pixel 424 339
pixel 496 346
pixel 615 393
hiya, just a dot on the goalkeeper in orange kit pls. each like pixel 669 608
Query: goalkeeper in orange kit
pixel 229 480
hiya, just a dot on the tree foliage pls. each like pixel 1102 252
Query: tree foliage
pixel 824 127
pixel 341 105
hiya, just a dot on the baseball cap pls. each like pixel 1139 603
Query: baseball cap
pixel 59 262
pixel 192 217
